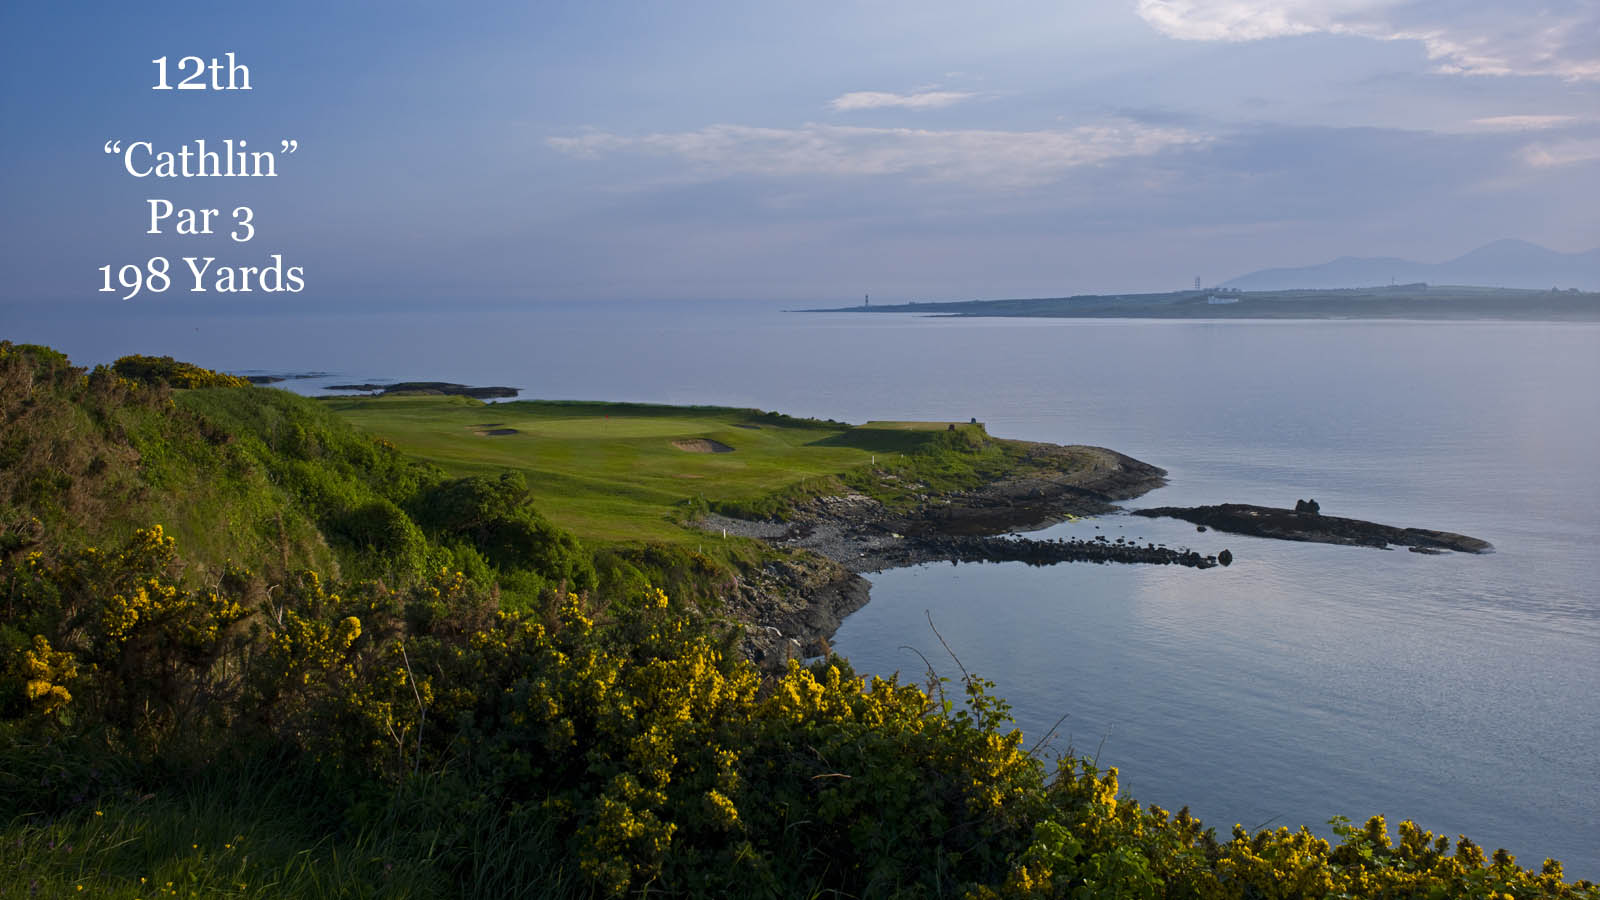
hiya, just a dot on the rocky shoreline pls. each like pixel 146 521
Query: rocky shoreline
pixel 795 607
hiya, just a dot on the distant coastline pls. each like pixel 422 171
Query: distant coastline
pixel 1408 301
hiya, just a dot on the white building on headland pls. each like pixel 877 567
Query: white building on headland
pixel 1214 300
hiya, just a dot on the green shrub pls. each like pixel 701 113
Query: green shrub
pixel 384 535
pixel 496 518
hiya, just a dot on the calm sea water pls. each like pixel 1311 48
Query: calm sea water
pixel 1305 681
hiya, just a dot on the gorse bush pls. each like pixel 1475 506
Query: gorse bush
pixel 166 370
pixel 641 753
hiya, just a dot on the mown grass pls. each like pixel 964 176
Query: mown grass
pixel 610 473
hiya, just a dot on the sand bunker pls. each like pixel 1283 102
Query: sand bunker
pixel 497 432
pixel 701 445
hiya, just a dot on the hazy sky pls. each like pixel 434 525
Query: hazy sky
pixel 916 149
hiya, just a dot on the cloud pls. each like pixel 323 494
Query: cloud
pixel 1561 153
pixel 1541 37
pixel 858 100
pixel 1005 158
pixel 1523 123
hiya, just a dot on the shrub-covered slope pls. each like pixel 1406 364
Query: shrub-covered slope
pixel 582 747
pixel 257 477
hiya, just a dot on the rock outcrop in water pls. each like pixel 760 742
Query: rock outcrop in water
pixel 1306 523
pixel 976 548
pixel 431 387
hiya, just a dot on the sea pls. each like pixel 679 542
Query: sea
pixel 1302 683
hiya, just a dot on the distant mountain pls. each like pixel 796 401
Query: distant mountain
pixel 1505 263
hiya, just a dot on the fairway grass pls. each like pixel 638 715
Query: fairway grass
pixel 611 472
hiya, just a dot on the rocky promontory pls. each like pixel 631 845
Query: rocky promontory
pixel 1307 523
pixel 794 608
pixel 862 534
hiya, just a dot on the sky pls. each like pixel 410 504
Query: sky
pixel 808 152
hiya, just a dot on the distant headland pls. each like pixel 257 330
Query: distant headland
pixel 1403 301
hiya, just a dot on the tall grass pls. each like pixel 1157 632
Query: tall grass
pixel 262 829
